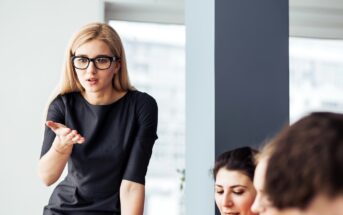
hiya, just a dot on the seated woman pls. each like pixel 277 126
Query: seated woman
pixel 305 168
pixel 299 172
pixel 263 204
pixel 233 174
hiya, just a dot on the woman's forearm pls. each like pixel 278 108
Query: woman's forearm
pixel 132 198
pixel 51 165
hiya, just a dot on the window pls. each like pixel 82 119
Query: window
pixel 316 76
pixel 156 63
pixel 316 53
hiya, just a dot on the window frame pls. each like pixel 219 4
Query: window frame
pixel 316 19
pixel 163 12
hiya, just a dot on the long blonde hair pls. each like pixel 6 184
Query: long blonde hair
pixel 100 31
pixel 93 31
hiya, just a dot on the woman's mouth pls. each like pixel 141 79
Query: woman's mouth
pixel 231 213
pixel 92 81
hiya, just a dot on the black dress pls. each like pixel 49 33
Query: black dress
pixel 119 138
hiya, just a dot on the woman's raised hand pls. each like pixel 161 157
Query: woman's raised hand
pixel 65 136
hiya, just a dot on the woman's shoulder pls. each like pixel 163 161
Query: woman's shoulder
pixel 69 95
pixel 57 100
pixel 144 103
pixel 63 99
pixel 141 97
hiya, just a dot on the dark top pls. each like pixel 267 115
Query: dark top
pixel 119 138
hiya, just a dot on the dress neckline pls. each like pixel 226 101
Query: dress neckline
pixel 106 105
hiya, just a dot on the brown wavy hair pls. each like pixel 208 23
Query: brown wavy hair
pixel 307 160
pixel 239 159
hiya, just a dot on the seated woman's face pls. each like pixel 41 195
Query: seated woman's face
pixel 262 205
pixel 234 192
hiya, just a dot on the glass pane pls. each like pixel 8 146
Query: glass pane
pixel 316 76
pixel 156 64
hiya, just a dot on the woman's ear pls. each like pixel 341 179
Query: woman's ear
pixel 117 65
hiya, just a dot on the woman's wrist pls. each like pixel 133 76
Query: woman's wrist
pixel 62 152
pixel 61 149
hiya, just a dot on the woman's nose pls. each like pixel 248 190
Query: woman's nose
pixel 227 201
pixel 91 67
pixel 256 207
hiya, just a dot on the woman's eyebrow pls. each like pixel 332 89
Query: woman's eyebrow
pixel 99 55
pixel 233 186
pixel 238 185
pixel 81 55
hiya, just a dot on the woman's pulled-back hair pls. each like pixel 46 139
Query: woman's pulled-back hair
pixel 239 159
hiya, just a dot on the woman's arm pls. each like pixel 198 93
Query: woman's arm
pixel 132 188
pixel 51 165
pixel 131 198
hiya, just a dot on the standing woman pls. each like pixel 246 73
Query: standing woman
pixel 233 174
pixel 102 127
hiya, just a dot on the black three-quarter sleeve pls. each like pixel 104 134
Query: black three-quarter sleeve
pixel 147 114
pixel 55 113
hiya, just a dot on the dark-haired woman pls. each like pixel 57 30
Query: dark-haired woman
pixel 233 174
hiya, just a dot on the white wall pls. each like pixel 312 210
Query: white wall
pixel 200 116
pixel 33 38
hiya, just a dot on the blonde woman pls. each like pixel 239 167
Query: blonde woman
pixel 101 126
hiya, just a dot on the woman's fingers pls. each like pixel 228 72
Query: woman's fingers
pixel 67 135
pixel 54 125
pixel 71 136
pixel 62 131
pixel 58 128
pixel 78 139
pixel 74 137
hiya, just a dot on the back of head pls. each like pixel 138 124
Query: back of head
pixel 240 159
pixel 307 160
pixel 266 150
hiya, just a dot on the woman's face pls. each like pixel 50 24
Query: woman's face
pixel 94 80
pixel 234 192
pixel 262 204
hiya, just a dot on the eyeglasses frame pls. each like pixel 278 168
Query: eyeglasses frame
pixel 113 58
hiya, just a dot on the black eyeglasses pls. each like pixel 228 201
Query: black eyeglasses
pixel 100 62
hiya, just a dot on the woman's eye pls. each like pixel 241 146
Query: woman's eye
pixel 102 60
pixel 219 191
pixel 238 192
pixel 82 60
